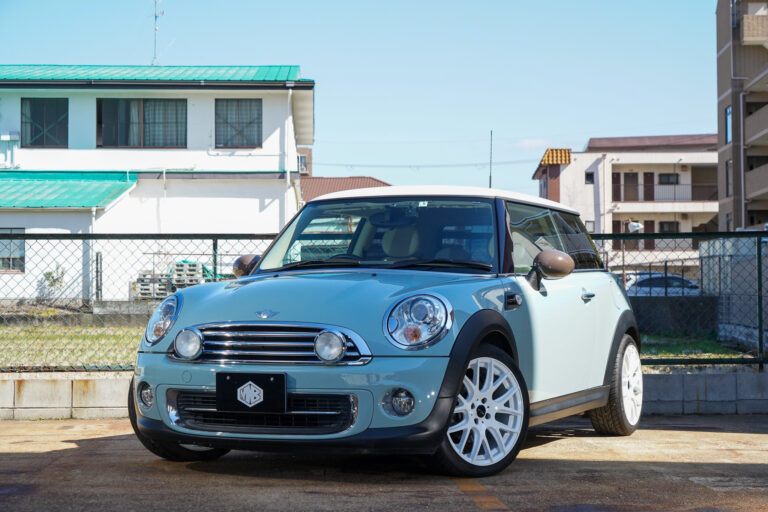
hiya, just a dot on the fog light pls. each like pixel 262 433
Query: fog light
pixel 398 402
pixel 188 344
pixel 330 346
pixel 146 396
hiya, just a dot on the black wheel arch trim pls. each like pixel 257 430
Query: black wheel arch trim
pixel 626 325
pixel 477 328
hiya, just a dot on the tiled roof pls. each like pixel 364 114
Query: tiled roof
pixel 552 156
pixel 658 142
pixel 150 73
pixel 556 156
pixel 315 186
pixel 70 189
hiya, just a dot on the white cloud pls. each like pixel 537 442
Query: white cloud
pixel 532 143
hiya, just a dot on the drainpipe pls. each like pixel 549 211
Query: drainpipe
pixel 287 140
pixel 742 153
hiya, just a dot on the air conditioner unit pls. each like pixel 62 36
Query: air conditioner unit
pixel 683 168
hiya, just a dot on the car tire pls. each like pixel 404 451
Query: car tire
pixel 621 415
pixel 168 449
pixel 479 442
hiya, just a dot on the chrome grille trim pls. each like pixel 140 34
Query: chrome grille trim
pixel 272 343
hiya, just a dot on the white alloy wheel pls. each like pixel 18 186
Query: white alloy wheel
pixel 489 413
pixel 632 384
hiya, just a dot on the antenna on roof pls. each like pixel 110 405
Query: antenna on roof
pixel 158 13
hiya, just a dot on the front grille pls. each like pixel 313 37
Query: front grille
pixel 273 343
pixel 307 414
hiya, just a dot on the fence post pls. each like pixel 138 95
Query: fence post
pixel 760 336
pixel 215 259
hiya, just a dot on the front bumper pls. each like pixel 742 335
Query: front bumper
pixel 372 429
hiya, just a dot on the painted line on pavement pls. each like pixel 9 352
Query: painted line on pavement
pixel 482 497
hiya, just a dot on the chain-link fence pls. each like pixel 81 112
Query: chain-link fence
pixel 698 297
pixel 81 302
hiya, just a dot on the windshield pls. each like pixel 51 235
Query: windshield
pixel 447 234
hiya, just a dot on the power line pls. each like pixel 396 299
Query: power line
pixel 426 166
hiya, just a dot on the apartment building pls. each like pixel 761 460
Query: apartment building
pixel 742 113
pixel 153 149
pixel 666 183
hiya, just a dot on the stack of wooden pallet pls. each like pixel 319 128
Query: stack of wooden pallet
pixel 186 273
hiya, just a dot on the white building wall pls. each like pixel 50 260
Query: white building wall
pixel 278 151
pixel 594 201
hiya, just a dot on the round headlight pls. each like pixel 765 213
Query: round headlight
pixel 162 319
pixel 418 321
pixel 330 346
pixel 188 344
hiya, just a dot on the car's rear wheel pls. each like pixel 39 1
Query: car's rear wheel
pixel 621 415
pixel 168 449
pixel 490 417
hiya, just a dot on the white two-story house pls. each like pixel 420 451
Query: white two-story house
pixel 152 149
pixel 666 184
pixel 142 149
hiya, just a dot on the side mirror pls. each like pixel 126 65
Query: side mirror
pixel 244 264
pixel 549 264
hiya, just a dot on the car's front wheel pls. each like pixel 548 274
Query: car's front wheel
pixel 490 417
pixel 621 414
pixel 167 449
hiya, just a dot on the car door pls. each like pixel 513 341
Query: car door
pixel 557 322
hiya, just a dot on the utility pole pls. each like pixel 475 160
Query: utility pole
pixel 490 165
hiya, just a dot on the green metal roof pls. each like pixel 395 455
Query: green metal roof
pixel 64 189
pixel 151 73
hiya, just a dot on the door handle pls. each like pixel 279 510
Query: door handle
pixel 585 295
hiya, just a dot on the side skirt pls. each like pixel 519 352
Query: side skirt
pixel 568 405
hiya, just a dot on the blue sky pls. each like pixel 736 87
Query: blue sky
pixel 422 83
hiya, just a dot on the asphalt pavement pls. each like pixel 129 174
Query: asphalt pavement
pixel 691 463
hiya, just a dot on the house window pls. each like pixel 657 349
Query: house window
pixel 590 225
pixel 669 179
pixel 728 125
pixel 138 123
pixel 11 251
pixel 728 178
pixel 238 123
pixel 44 122
pixel 669 227
pixel 303 164
pixel 589 178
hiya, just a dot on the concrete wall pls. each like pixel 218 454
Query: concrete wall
pixel 104 394
pixel 277 152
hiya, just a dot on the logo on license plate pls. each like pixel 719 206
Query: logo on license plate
pixel 250 394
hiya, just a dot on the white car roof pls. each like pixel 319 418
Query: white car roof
pixel 444 190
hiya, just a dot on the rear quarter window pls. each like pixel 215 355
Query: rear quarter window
pixel 576 242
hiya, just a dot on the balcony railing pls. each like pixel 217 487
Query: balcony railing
pixel 698 192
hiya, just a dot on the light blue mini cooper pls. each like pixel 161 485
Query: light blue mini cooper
pixel 434 320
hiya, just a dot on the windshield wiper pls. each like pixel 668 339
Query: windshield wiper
pixel 332 262
pixel 442 262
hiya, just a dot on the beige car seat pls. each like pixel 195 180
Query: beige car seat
pixel 400 242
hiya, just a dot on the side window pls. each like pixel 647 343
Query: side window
pixel 576 241
pixel 532 231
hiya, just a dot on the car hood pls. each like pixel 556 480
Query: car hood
pixel 354 299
